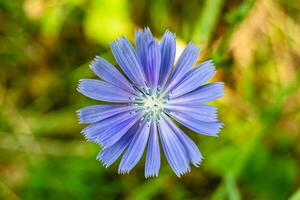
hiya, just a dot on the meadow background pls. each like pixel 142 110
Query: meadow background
pixel 46 47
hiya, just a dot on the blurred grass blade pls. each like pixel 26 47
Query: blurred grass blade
pixel 234 18
pixel 231 187
pixel 206 24
pixel 7 193
pixel 296 195
pixel 269 116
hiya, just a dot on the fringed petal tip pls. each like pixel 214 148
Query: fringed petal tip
pixel 151 175
pixel 179 174
pixel 197 164
pixel 221 126
pixel 218 130
pixel 78 116
pixel 88 138
pixel 106 165
pixel 194 47
pixel 117 40
pixel 143 30
pixel 94 61
pixel 78 88
pixel 123 171
pixel 168 32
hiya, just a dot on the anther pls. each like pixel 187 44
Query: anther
pixel 132 98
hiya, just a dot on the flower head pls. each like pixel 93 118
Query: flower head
pixel 148 101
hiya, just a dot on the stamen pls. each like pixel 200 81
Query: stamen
pixel 132 98
pixel 151 102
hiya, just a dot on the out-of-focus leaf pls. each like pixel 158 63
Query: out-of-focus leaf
pixel 296 195
pixel 274 175
pixel 53 20
pixel 222 159
pixel 206 23
pixel 107 20
pixel 231 186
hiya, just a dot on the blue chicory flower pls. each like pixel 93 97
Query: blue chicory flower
pixel 147 101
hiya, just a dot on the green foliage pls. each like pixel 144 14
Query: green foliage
pixel 46 47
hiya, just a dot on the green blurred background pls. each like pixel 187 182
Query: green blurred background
pixel 46 47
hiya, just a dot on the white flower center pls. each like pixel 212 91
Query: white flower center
pixel 152 102
pixel 153 105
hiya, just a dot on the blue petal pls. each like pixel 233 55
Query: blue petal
pixel 174 150
pixel 91 114
pixel 168 51
pixel 153 61
pixel 195 78
pixel 201 127
pixel 184 64
pixel 126 57
pixel 190 147
pixel 113 133
pixel 109 155
pixel 142 41
pixel 92 131
pixel 103 91
pixel 136 149
pixel 202 112
pixel 152 164
pixel 204 93
pixel 106 71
